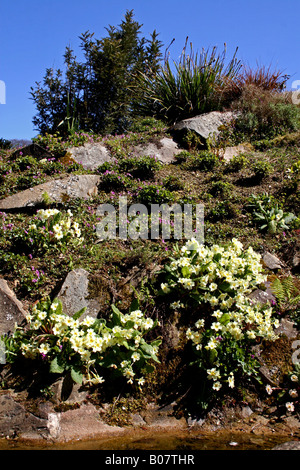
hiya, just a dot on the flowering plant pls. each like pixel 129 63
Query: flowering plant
pixel 214 284
pixel 52 227
pixel 84 348
pixel 288 395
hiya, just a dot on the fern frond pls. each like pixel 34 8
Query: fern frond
pixel 278 290
pixel 286 292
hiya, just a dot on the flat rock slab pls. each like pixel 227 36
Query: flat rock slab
pixel 75 186
pixel 84 423
pixel 231 152
pixel 11 309
pixel 205 125
pixel 90 155
pixel 164 150
pixel 74 294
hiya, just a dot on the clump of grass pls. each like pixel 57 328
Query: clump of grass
pixel 263 77
pixel 198 83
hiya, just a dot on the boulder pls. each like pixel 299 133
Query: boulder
pixel 74 294
pixel 35 150
pixel 207 125
pixel 75 186
pixel 11 309
pixel 90 155
pixel 164 150
pixel 271 261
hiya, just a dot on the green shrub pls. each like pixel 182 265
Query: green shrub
pixel 24 162
pixel 261 169
pixel 182 156
pixel 203 161
pixel 147 124
pixel 131 167
pixel 221 188
pixel 237 163
pixel 223 210
pixel 154 194
pixel 287 140
pixel 264 115
pixel 114 181
pixel 139 167
pixel 173 183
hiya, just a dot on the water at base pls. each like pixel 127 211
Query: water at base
pixel 146 440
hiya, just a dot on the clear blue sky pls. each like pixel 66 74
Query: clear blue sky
pixel 34 34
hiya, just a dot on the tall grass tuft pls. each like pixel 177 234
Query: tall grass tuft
pixel 264 78
pixel 196 84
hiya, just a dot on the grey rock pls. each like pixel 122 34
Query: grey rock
pixel 246 412
pixel 207 125
pixel 75 186
pixel 53 425
pixel 164 150
pixel 263 296
pixel 290 445
pixel 195 422
pixel 271 261
pixel 16 420
pixel 164 418
pixel 74 294
pixel 11 309
pixel 65 390
pixel 266 373
pixel 287 328
pixel 292 422
pixel 137 420
pixel 90 155
pixel 296 261
pixel 231 152
pixel 84 423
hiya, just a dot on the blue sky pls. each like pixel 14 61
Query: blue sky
pixel 34 34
